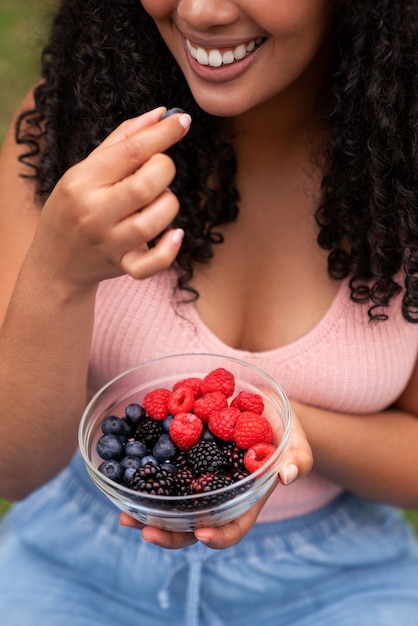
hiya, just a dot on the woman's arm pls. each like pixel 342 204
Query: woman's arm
pixel 94 226
pixel 375 456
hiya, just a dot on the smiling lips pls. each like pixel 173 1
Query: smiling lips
pixel 216 58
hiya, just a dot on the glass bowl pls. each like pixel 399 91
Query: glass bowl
pixel 188 512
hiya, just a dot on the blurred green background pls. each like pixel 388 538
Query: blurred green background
pixel 23 28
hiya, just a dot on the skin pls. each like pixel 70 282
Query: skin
pixel 116 200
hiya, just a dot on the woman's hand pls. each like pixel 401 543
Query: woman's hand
pixel 102 213
pixel 298 463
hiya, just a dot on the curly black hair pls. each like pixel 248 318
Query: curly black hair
pixel 105 62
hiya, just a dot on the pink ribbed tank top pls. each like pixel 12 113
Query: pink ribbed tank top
pixel 345 363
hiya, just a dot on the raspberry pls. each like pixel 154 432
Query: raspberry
pixel 209 402
pixel 251 428
pixel 257 455
pixel 194 383
pixel 181 400
pixel 155 403
pixel 219 380
pixel 185 430
pixel 222 422
pixel 246 401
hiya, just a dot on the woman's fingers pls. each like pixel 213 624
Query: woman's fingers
pixel 131 126
pixel 299 459
pixel 115 161
pixel 138 190
pixel 143 262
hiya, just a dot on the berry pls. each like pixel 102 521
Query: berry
pixel 148 459
pixel 219 380
pixel 193 382
pixel 113 425
pixel 110 447
pixel 183 479
pixel 134 413
pixel 207 457
pixel 164 449
pixel 185 430
pixel 167 422
pixel 155 403
pixel 257 455
pixel 209 482
pixel 171 112
pixel 246 401
pixel 112 470
pixel 251 428
pixel 129 462
pixel 235 457
pixel 128 475
pixel 154 480
pixel 222 423
pixel 181 400
pixel 149 431
pixel 137 449
pixel 209 402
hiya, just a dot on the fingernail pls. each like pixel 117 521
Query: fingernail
pixel 185 120
pixel 177 236
pixel 204 540
pixel 290 474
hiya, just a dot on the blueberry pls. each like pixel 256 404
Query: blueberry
pixel 207 435
pixel 130 461
pixel 164 449
pixel 149 459
pixel 110 447
pixel 113 425
pixel 171 112
pixel 128 474
pixel 134 413
pixel 112 470
pixel 167 422
pixel 170 467
pixel 136 448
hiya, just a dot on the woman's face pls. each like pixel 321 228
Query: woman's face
pixel 236 54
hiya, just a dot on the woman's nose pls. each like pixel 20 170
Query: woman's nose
pixel 207 14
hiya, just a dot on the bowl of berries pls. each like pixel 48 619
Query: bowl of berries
pixel 186 441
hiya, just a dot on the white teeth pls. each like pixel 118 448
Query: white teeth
pixel 202 57
pixel 215 58
pixel 240 52
pixel 228 58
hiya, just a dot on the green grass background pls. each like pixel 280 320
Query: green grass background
pixel 23 28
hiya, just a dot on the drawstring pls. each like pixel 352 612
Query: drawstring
pixel 194 562
pixel 194 582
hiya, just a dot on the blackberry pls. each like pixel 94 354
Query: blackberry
pixel 181 460
pixel 149 431
pixel 235 457
pixel 184 477
pixel 154 480
pixel 207 457
pixel 209 482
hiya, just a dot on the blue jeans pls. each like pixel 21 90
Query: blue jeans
pixel 65 561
